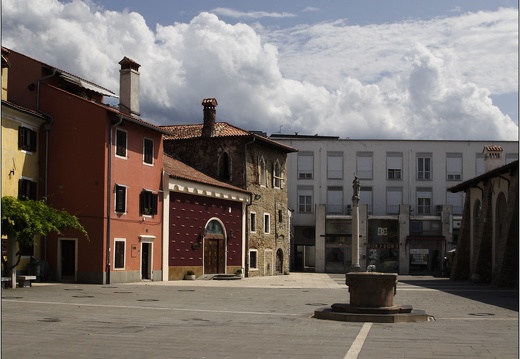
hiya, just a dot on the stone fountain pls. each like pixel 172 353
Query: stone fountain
pixel 371 293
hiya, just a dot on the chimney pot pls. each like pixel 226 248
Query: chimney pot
pixel 210 114
pixel 129 87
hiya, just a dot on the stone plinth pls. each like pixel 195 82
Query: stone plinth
pixel 371 289
pixel 371 300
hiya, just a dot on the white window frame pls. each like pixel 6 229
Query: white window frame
pixel 306 193
pixel 335 199
pixel 480 167
pixel 335 165
pixel 394 165
pixel 252 269
pixel 116 143
pixel 267 223
pixel 144 151
pixel 366 196
pixel 421 195
pixel 424 174
pixel 124 253
pixel 364 165
pixel 305 165
pixel 454 166
pixel 392 204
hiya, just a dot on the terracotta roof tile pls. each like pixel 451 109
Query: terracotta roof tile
pixel 177 169
pixel 493 148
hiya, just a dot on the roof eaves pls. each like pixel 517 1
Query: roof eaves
pixel 483 177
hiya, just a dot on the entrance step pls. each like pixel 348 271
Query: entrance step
pixel 226 277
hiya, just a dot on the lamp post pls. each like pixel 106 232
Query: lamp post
pixel 356 187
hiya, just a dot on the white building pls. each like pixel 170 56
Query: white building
pixel 408 219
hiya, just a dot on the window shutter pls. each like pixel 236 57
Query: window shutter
pixel 154 203
pixel 20 189
pixel 141 202
pixel 32 142
pixel 20 138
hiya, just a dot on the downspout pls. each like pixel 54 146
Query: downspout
pixel 109 195
pixel 47 128
pixel 246 269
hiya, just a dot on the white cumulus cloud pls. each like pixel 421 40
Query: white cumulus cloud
pixel 407 80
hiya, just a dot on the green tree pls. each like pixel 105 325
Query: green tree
pixel 22 220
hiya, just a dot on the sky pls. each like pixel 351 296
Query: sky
pixel 377 69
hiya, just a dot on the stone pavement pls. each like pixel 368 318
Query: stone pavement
pixel 268 317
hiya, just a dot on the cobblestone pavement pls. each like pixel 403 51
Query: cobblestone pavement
pixel 269 317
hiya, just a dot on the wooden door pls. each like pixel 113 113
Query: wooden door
pixel 214 255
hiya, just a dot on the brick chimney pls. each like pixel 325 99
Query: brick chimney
pixel 129 87
pixel 210 114
pixel 493 157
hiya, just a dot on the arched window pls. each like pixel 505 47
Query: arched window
pixel 214 227
pixel 263 173
pixel 277 175
pixel 224 166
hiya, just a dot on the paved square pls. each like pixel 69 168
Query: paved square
pixel 252 318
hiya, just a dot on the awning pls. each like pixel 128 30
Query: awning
pixel 87 85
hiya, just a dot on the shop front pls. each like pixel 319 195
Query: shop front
pixel 338 245
pixel 383 245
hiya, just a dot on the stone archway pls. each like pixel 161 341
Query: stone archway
pixel 279 261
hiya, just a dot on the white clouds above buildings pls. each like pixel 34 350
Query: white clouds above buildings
pixel 414 80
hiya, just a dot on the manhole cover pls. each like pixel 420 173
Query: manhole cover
pixel 186 290
pixel 147 300
pixel 83 296
pixel 481 314
pixel 50 320
pixel 316 304
pixel 123 292
pixel 78 289
pixel 109 287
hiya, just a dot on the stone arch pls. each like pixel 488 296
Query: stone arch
pixel 499 223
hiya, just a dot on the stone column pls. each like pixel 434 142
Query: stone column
pixel 355 267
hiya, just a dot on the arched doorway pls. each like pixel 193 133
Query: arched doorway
pixel 214 248
pixel 500 214
pixel 279 261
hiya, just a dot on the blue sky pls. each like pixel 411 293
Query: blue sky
pixel 442 69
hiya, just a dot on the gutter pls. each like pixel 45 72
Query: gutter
pixel 109 195
pixel 47 128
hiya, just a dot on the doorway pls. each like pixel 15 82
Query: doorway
pixel 67 257
pixel 214 255
pixel 146 260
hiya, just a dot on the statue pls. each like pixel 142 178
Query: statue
pixel 356 188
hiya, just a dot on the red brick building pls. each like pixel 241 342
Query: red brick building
pixel 101 163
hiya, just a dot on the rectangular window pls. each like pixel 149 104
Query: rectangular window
pixel 148 151
pixel 305 199
pixel 119 253
pixel 454 166
pixel 479 164
pixel 424 201
pixel 365 197
pixel 305 165
pixel 394 165
pixel 252 222
pixel 424 166
pixel 267 223
pixel 26 139
pixel 394 197
pixel 121 143
pixel 335 165
pixel 335 200
pixel 455 200
pixel 148 203
pixel 26 189
pixel 364 165
pixel 120 202
pixel 253 259
pixel 280 216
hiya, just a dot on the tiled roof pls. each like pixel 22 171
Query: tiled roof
pixel 23 109
pixel 177 169
pixel 493 148
pixel 510 167
pixel 222 129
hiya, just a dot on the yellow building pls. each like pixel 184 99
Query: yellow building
pixel 20 156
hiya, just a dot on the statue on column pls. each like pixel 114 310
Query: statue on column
pixel 356 188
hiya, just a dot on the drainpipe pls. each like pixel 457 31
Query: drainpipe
pixel 246 269
pixel 47 128
pixel 109 195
